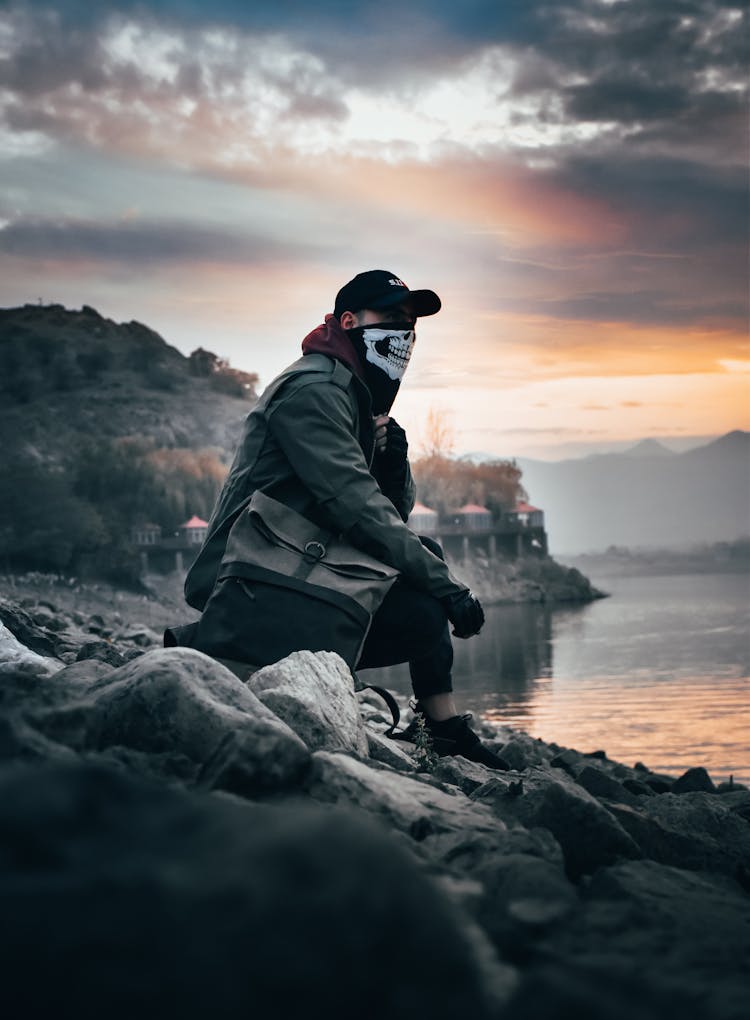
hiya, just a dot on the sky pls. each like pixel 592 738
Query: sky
pixel 570 177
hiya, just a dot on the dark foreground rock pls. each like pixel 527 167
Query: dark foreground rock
pixel 177 843
pixel 123 898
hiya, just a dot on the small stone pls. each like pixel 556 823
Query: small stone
pixel 101 650
pixel 638 788
pixel 566 760
pixel 695 780
pixel 466 775
pixel 659 784
pixel 598 783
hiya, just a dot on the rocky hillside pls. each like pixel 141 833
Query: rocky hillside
pixel 67 376
pixel 179 841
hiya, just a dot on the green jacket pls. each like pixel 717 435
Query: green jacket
pixel 309 443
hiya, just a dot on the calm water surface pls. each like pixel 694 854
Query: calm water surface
pixel 659 672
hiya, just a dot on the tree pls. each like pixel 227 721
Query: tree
pixel 439 435
pixel 444 484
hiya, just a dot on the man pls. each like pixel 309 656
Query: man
pixel 321 441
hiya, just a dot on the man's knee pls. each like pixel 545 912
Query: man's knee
pixel 428 615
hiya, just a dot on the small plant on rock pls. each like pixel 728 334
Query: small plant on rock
pixel 424 749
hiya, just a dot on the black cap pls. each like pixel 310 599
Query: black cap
pixel 378 288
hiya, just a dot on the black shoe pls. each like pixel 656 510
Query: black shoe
pixel 454 736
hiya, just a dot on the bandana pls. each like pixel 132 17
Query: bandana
pixel 384 349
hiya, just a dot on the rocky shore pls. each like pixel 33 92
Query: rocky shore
pixel 177 842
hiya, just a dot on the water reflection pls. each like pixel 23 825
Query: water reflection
pixel 502 664
pixel 512 651
pixel 658 672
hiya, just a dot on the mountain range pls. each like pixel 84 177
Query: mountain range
pixel 646 496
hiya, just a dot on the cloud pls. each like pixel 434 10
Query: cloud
pixel 583 160
pixel 138 243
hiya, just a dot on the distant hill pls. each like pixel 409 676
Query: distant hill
pixel 644 496
pixel 105 427
pixel 67 376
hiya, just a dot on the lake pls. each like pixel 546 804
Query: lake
pixel 659 672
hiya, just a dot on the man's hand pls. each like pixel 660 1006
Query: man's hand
pixel 465 613
pixel 381 432
pixel 390 438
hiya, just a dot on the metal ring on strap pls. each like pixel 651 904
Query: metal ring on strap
pixel 316 550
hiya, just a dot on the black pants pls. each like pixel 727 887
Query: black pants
pixel 412 626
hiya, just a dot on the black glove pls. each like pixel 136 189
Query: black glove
pixel 390 465
pixel 465 613
pixel 396 445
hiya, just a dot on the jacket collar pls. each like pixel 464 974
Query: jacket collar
pixel 329 338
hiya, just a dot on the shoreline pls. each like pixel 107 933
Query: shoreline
pixel 260 830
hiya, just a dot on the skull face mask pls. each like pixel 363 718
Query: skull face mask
pixel 384 349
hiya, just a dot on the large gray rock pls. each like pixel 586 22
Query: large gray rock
pixel 521 751
pixel 459 771
pixel 313 692
pixel 19 742
pixel 695 780
pixel 414 807
pixel 523 897
pixel 465 851
pixel 589 835
pixel 388 752
pixel 16 657
pixel 179 703
pixel 135 899
pixel 648 941
pixel 22 626
pixel 699 831
pixel 602 785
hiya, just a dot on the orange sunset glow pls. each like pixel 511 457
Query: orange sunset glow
pixel 219 177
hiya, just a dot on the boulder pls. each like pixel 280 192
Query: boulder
pixel 459 771
pixel 227 909
pixel 24 692
pixel 139 635
pixel 601 785
pixel 695 780
pixel 19 742
pixel 414 807
pixel 523 896
pixel 566 760
pixel 180 703
pixel 464 852
pixel 104 651
pixel 15 657
pixel 648 941
pixel 389 752
pixel 22 626
pixel 313 692
pixel 699 831
pixel 638 788
pixel 589 835
pixel 521 751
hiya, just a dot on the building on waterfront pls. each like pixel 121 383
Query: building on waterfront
pixel 194 530
pixel 473 517
pixel 163 553
pixel 529 516
pixel 423 519
pixel 146 534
